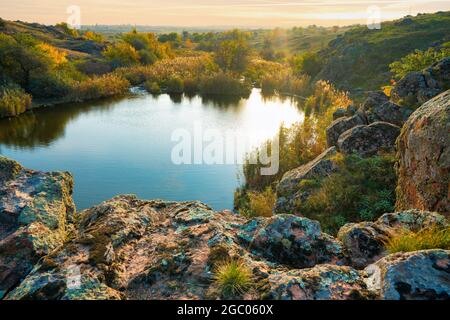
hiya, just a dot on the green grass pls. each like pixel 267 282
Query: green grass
pixel 362 189
pixel 428 238
pixel 361 57
pixel 233 278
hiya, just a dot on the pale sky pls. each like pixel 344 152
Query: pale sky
pixel 198 13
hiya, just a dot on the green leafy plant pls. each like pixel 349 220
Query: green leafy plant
pixel 417 61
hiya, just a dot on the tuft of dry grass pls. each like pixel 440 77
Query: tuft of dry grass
pixel 233 278
pixel 434 237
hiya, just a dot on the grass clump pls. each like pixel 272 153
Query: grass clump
pixel 13 101
pixel 99 87
pixel 222 83
pixel 233 278
pixel 256 204
pixel 434 237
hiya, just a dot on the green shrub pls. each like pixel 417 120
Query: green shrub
pixel 174 85
pixel 428 238
pixel 191 85
pixel 224 84
pixel 99 87
pixel 233 278
pixel 362 189
pixel 13 101
pixel 49 85
pixel 307 63
pixel 417 61
pixel 152 87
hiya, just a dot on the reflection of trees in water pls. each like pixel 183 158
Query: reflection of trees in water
pixel 176 98
pixel 221 101
pixel 43 126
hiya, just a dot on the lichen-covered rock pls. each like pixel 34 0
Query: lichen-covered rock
pixel 364 241
pixel 412 220
pixel 339 113
pixel 292 190
pixel 36 211
pixel 291 240
pixel 424 158
pixel 339 126
pixel 418 275
pixel 127 248
pixel 418 87
pixel 369 140
pixel 323 282
pixel 377 107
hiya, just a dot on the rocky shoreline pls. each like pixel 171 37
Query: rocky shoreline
pixel 126 248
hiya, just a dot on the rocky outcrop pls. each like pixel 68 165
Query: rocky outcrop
pixel 418 275
pixel 36 211
pixel 339 113
pixel 364 242
pixel 294 241
pixel 135 249
pixel 418 87
pixel 292 189
pixel 369 140
pixel 126 248
pixel 339 126
pixel 424 158
pixel 377 107
pixel 324 282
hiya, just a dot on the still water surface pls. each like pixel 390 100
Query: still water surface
pixel 124 146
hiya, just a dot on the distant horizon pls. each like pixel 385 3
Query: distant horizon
pixel 251 14
pixel 215 27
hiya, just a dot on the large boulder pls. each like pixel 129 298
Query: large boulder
pixel 291 240
pixel 126 248
pixel 369 140
pixel 364 242
pixel 36 214
pixel 292 190
pixel 323 282
pixel 418 87
pixel 418 275
pixel 424 158
pixel 339 126
pixel 377 107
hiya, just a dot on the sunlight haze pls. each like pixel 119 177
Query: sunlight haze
pixel 198 13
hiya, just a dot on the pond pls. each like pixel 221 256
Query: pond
pixel 125 146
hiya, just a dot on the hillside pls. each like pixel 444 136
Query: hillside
pixel 76 46
pixel 360 58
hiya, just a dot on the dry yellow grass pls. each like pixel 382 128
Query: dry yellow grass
pixel 429 238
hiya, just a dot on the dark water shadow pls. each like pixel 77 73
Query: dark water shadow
pixel 43 126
